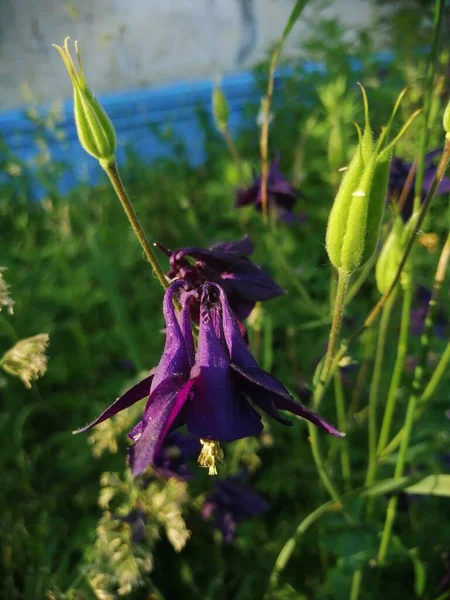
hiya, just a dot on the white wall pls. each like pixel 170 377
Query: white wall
pixel 129 44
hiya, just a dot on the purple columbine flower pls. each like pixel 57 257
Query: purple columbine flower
pixel 231 503
pixel 281 195
pixel 211 393
pixel 399 172
pixel 229 265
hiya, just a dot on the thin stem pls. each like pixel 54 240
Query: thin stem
pixel 113 174
pixel 392 504
pixel 234 153
pixel 402 347
pixel 356 585
pixel 413 399
pixel 317 455
pixel 266 104
pixel 375 388
pixel 342 424
pixel 439 372
pixel 431 71
pixel 289 546
pixel 407 186
pixel 425 344
pixel 360 280
pixel 343 280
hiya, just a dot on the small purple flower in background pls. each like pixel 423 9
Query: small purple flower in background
pixel 210 392
pixel 281 195
pixel 399 172
pixel 176 450
pixel 227 264
pixel 232 502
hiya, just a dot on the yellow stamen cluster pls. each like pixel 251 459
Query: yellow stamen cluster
pixel 211 456
pixel 27 359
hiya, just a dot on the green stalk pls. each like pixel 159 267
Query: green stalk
pixel 289 546
pixel 419 372
pixel 234 153
pixel 356 585
pixel 317 455
pixel 374 389
pixel 342 286
pixel 425 344
pixel 267 101
pixel 342 424
pixel 431 71
pixel 113 174
pixel 402 347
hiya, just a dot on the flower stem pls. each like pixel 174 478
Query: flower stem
pixel 112 171
pixel 343 280
pixel 356 585
pixel 413 400
pixel 425 344
pixel 402 347
pixel 374 390
pixel 431 71
pixel 267 101
pixel 317 455
pixel 234 153
pixel 289 546
pixel 342 424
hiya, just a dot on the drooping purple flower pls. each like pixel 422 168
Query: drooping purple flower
pixel 229 265
pixel 212 394
pixel 172 458
pixel 281 195
pixel 232 502
pixel 399 172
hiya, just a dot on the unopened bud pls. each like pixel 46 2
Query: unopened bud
pixel 95 130
pixel 355 219
pixel 220 108
pixel 5 299
pixel 27 359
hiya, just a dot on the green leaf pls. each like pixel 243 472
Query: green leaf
pixel 433 485
pixel 296 12
pixel 387 486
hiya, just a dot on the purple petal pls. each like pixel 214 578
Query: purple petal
pixel 443 187
pixel 163 406
pixel 242 247
pixel 251 282
pixel 217 410
pixel 177 355
pixel 130 397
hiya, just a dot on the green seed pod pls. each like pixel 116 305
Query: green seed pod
pixel 355 219
pixel 220 109
pixel 390 256
pixel 95 130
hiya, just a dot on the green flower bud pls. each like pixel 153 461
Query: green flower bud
pixel 446 121
pixel 392 252
pixel 390 256
pixel 220 109
pixel 95 130
pixel 355 219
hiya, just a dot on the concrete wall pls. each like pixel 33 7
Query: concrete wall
pixel 128 44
